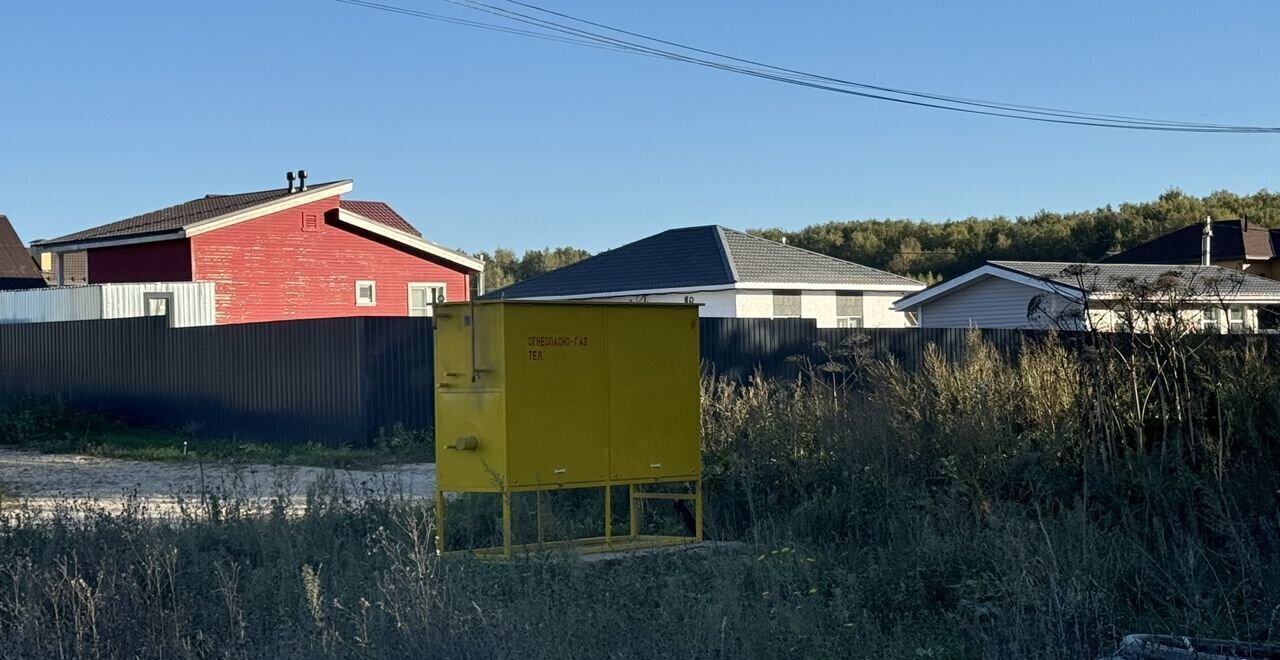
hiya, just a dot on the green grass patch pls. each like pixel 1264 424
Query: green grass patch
pixel 149 445
pixel 50 427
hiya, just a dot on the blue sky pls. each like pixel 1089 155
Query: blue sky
pixel 484 139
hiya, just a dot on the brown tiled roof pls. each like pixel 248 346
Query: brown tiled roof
pixel 17 269
pixel 381 213
pixel 1232 240
pixel 178 216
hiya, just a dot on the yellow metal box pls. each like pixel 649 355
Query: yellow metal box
pixel 543 395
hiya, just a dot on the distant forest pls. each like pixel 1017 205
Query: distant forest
pixel 503 267
pixel 933 251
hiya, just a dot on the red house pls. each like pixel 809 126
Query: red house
pixel 291 253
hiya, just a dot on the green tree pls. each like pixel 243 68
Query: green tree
pixel 933 251
pixel 945 249
pixel 502 267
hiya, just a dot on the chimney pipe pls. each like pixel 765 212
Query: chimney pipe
pixel 289 177
pixel 1206 242
pixel 302 180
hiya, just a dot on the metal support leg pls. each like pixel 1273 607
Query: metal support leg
pixel 506 524
pixel 635 513
pixel 697 510
pixel 608 514
pixel 542 536
pixel 439 522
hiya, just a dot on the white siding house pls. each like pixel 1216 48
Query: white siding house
pixel 1106 297
pixel 988 303
pixel 732 274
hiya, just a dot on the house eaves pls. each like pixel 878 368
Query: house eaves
pixel 207 225
pixel 410 241
pixel 914 300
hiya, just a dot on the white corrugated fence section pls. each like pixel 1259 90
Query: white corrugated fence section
pixel 73 303
pixel 186 303
pixel 193 302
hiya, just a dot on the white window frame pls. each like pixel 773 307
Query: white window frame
pixel 373 289
pixel 426 285
pixel 1237 325
pixel 773 302
pixel 1211 319
pixel 851 320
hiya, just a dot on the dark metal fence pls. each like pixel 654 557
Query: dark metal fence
pixel 326 380
pixel 341 380
pixel 777 348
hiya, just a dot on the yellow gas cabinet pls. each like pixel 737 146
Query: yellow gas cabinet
pixel 537 396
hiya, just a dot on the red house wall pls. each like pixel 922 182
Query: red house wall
pixel 269 269
pixel 163 261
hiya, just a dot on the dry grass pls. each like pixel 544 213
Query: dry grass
pixel 988 508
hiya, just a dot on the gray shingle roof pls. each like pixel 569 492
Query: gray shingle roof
pixel 761 260
pixel 707 256
pixel 1109 277
pixel 178 216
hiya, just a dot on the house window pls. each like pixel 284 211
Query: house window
pixel 423 296
pixel 366 293
pixel 848 310
pixel 310 222
pixel 786 304
pixel 1235 319
pixel 1210 319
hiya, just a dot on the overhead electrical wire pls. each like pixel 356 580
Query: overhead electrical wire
pixel 560 32
pixel 953 99
pixel 474 24
pixel 1088 119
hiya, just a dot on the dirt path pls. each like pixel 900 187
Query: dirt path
pixel 45 482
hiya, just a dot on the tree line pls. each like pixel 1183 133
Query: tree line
pixel 933 251
pixel 503 267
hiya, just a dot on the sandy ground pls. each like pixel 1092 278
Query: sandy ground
pixel 43 483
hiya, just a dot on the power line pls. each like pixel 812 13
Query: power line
pixel 391 9
pixel 555 31
pixel 808 80
pixel 953 99
pixel 1079 119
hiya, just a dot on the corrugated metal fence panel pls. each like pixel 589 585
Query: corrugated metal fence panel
pixel 735 348
pixel 285 381
pixel 342 380
pixel 399 374
pixel 272 382
pixel 193 302
pixel 57 304
pixel 777 348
